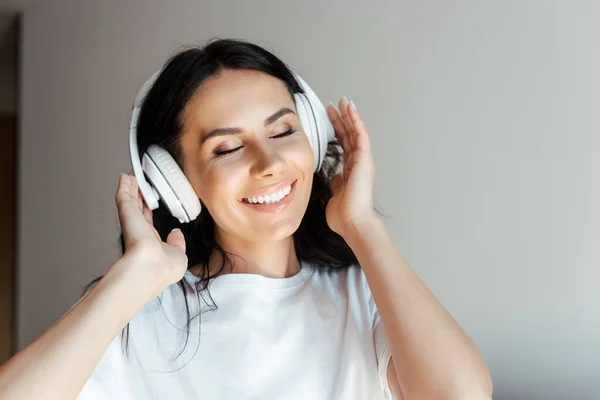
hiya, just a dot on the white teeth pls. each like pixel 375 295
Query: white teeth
pixel 270 198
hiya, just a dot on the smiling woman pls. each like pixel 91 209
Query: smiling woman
pixel 228 116
pixel 306 297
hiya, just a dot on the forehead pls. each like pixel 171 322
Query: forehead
pixel 236 98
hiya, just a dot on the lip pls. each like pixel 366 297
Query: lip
pixel 272 189
pixel 274 207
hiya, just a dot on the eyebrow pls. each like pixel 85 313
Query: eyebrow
pixel 233 131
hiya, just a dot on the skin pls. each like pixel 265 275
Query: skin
pixel 245 99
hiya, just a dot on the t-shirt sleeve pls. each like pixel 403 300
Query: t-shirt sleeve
pixel 382 349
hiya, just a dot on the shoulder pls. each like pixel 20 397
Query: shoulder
pixel 348 285
pixel 352 274
pixel 352 280
pixel 345 278
pixel 351 277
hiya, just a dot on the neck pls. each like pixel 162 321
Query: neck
pixel 273 259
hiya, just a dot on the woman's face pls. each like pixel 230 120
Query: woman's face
pixel 259 149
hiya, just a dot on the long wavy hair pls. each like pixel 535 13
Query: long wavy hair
pixel 161 123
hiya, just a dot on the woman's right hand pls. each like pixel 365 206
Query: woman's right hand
pixel 145 252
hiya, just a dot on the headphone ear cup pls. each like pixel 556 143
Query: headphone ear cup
pixel 171 184
pixel 322 130
pixel 309 126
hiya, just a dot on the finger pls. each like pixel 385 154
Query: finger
pixel 148 215
pixel 346 121
pixel 133 186
pixel 360 134
pixel 123 197
pixel 131 189
pixel 149 220
pixel 140 200
pixel 130 216
pixel 176 238
pixel 336 121
pixel 338 126
pixel 352 133
pixel 123 189
pixel 136 193
pixel 120 182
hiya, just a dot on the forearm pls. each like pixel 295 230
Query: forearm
pixel 58 363
pixel 433 357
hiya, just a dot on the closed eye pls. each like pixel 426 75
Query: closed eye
pixel 281 135
pixel 225 152
pixel 284 134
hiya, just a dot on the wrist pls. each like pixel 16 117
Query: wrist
pixel 137 287
pixel 360 228
pixel 113 302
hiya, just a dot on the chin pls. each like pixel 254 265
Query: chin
pixel 274 231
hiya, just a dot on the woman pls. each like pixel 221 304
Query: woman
pixel 301 298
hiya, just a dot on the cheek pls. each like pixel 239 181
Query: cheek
pixel 219 186
pixel 212 184
pixel 302 155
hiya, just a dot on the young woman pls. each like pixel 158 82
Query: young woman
pixel 286 286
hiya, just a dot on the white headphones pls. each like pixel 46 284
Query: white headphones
pixel 168 182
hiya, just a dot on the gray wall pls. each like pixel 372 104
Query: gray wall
pixel 485 128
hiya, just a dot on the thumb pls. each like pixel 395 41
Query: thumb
pixel 176 238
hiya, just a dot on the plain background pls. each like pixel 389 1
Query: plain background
pixel 484 118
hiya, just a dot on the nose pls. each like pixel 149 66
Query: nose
pixel 267 161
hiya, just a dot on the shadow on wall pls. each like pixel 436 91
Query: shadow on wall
pixel 9 34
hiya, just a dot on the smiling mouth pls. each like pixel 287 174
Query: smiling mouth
pixel 271 198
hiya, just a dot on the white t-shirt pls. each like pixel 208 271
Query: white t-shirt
pixel 315 335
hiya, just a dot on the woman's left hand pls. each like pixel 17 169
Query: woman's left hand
pixel 352 201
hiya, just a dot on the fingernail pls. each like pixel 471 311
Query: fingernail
pixel 352 104
pixel 331 104
pixel 346 99
pixel 176 229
